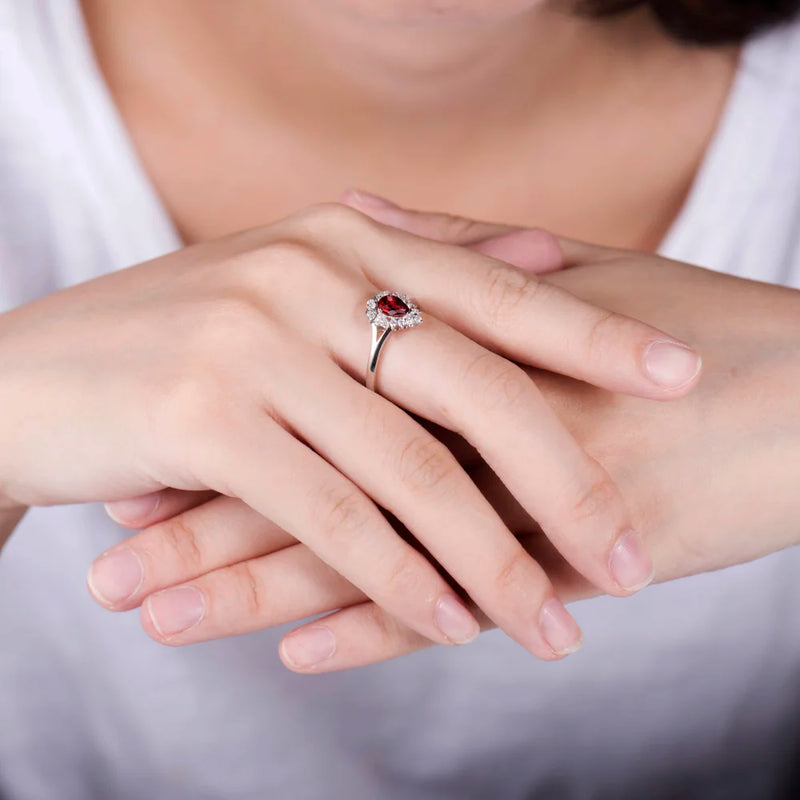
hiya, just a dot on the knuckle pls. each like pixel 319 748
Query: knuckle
pixel 304 260
pixel 255 604
pixel 381 628
pixel 604 332
pixel 403 579
pixel 513 573
pixel 199 394
pixel 451 228
pixel 340 513
pixel 319 243
pixel 226 323
pixel 425 464
pixel 496 382
pixel 505 291
pixel 287 253
pixel 327 218
pixel 196 402
pixel 595 499
pixel 180 540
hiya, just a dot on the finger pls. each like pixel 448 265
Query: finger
pixel 147 509
pixel 542 252
pixel 439 374
pixel 432 225
pixel 525 318
pixel 255 594
pixel 287 482
pixel 355 637
pixel 569 584
pixel 292 584
pixel 411 474
pixel 251 575
pixel 181 547
pixel 285 586
pixel 364 633
pixel 531 249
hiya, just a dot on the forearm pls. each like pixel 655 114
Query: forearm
pixel 759 404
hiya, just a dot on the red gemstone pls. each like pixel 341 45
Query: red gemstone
pixel 393 306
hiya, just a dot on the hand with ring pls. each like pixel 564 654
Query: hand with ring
pixel 238 367
pixel 686 471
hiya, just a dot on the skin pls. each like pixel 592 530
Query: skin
pixel 492 110
pixel 686 467
pixel 234 404
pixel 398 65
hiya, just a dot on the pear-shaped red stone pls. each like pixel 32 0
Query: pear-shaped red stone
pixel 393 306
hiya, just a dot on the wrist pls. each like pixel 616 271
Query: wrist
pixel 745 422
pixel 771 420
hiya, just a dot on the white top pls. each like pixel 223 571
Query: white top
pixel 687 690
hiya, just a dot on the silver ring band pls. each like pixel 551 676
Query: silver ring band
pixel 387 312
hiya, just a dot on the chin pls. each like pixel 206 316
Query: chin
pixel 421 11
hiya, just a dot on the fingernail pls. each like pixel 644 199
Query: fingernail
pixel 364 199
pixel 559 628
pixel 533 250
pixel 455 621
pixel 309 647
pixel 630 564
pixel 116 576
pixel 176 610
pixel 670 364
pixel 134 508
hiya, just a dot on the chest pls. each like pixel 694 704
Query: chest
pixel 611 173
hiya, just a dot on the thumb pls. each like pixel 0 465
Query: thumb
pixel 531 249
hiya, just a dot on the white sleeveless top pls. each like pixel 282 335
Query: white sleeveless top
pixel 688 690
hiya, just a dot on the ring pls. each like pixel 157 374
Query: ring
pixel 387 312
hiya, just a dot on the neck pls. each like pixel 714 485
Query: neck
pixel 278 104
pixel 347 73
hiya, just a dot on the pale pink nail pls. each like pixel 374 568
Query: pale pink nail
pixel 671 365
pixel 454 620
pixel 533 250
pixel 116 576
pixel 630 564
pixel 309 647
pixel 134 508
pixel 559 628
pixel 174 611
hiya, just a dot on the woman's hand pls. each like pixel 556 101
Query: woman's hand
pixel 711 478
pixel 234 367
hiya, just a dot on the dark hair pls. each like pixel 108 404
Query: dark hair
pixel 704 21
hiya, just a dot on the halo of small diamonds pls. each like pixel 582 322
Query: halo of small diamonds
pixel 393 310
